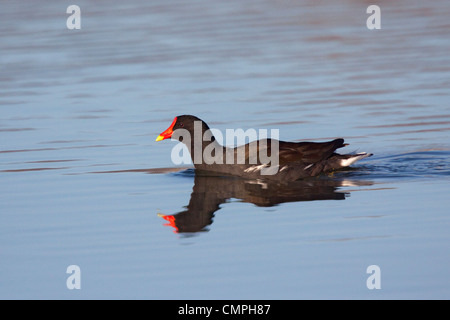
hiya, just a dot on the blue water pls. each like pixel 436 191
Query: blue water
pixel 82 181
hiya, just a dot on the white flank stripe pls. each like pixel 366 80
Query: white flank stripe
pixel 255 168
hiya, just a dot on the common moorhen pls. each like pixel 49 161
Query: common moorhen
pixel 262 159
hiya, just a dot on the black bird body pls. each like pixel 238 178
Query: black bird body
pixel 262 159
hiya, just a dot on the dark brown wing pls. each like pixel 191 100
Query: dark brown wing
pixel 307 152
pixel 294 152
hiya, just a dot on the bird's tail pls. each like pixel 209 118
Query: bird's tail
pixel 346 160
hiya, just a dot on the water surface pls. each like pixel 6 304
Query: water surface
pixel 83 182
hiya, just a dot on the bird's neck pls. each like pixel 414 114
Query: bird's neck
pixel 203 146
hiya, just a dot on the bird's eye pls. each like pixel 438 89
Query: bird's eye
pixel 181 125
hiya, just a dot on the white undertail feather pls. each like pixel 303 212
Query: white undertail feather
pixel 354 158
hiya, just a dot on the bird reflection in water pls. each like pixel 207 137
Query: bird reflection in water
pixel 209 192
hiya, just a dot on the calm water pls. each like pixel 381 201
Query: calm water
pixel 82 181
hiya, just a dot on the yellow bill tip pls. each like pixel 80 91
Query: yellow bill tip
pixel 159 138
